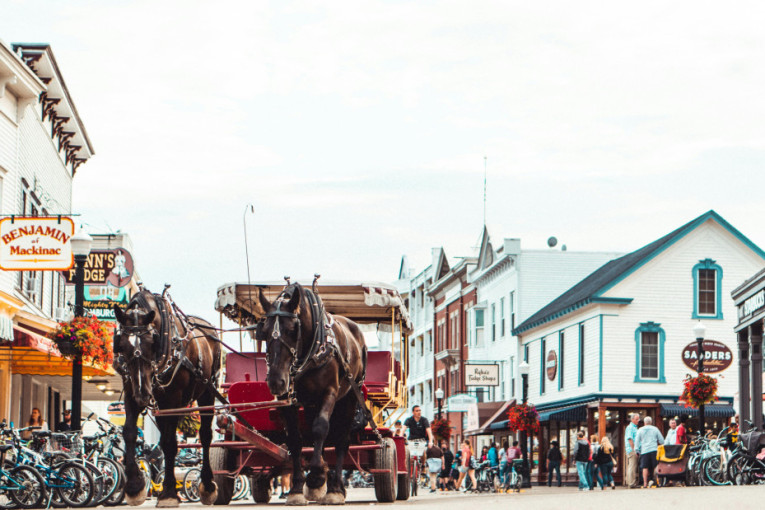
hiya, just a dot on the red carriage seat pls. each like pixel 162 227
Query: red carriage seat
pixel 378 371
pixel 240 367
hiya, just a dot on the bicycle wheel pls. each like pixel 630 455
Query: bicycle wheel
pixel 241 487
pixel 30 489
pixel 111 473
pixel 74 484
pixel 740 469
pixel 415 476
pixel 191 482
pixel 713 471
pixel 99 482
pixel 118 496
pixel 518 483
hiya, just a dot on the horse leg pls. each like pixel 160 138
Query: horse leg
pixel 135 487
pixel 316 482
pixel 339 425
pixel 167 426
pixel 295 447
pixel 208 491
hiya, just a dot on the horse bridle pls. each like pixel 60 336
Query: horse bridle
pixel 276 335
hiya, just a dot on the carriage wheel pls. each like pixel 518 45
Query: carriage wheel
pixel 386 484
pixel 221 460
pixel 261 489
pixel 405 479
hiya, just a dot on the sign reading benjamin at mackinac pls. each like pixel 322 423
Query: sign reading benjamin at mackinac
pixel 717 356
pixel 36 244
pixel 481 375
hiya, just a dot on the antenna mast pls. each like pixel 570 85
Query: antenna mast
pixel 484 190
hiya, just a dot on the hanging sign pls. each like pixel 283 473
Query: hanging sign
pixel 481 375
pixel 460 403
pixel 552 365
pixel 36 244
pixel 717 356
pixel 114 267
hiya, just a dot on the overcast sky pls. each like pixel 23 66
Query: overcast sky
pixel 358 130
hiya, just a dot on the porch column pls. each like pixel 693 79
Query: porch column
pixel 601 421
pixel 744 400
pixel 755 340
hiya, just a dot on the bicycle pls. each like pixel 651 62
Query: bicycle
pixel 22 485
pixel 514 479
pixel 747 465
pixel 417 449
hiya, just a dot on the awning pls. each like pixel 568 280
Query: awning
pixel 576 412
pixel 486 425
pixel 710 411
pixel 31 353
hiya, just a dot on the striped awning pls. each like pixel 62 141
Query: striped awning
pixel 577 412
pixel 710 411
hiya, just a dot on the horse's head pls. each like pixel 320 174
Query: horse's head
pixel 283 333
pixel 134 348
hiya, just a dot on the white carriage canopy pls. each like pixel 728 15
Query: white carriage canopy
pixel 372 303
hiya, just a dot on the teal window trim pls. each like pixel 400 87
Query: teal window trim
pixel 561 339
pixel 650 327
pixel 580 354
pixel 707 264
pixel 542 345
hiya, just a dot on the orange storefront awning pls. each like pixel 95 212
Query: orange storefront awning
pixel 33 354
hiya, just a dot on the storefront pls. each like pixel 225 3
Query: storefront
pixel 749 299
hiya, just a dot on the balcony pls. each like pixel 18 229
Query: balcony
pixel 448 357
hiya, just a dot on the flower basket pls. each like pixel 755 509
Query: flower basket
pixel 699 390
pixel 88 336
pixel 441 428
pixel 523 418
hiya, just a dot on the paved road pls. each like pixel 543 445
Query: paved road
pixel 702 498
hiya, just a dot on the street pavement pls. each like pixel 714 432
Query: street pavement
pixel 567 498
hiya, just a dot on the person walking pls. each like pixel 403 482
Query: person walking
pixel 671 433
pixel 582 458
pixel 630 433
pixel 647 442
pixel 446 468
pixel 503 463
pixel 466 467
pixel 434 458
pixel 554 458
pixel 604 460
pixel 592 469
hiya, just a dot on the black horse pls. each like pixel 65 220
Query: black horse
pixel 167 360
pixel 317 360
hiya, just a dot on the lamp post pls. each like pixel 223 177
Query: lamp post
pixel 699 331
pixel 439 399
pixel 524 368
pixel 81 243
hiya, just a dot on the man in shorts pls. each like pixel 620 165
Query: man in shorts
pixel 434 458
pixel 647 442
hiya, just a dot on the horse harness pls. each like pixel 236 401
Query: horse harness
pixel 171 345
pixel 323 348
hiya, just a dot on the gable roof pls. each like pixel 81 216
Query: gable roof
pixel 591 288
pixel 486 252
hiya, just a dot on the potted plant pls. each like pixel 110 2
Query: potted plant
pixel 699 390
pixel 441 428
pixel 523 417
pixel 87 336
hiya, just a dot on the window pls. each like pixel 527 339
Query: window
pixel 649 353
pixel 512 377
pixel 707 290
pixel 478 326
pixel 562 357
pixel 512 310
pixel 454 330
pixel 542 378
pixel 581 354
pixel 502 317
pixel 493 322
pixel 526 353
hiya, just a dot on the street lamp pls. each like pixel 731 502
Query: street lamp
pixel 524 368
pixel 699 331
pixel 439 399
pixel 81 243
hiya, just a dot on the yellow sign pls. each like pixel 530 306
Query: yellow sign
pixel 36 244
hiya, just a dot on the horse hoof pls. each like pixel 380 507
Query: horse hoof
pixel 333 498
pixel 315 494
pixel 296 500
pixel 208 498
pixel 138 499
pixel 168 503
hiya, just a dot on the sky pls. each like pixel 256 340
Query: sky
pixel 359 132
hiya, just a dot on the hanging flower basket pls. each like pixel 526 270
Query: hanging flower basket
pixel 523 418
pixel 699 390
pixel 441 428
pixel 88 336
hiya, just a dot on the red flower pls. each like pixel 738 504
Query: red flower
pixel 89 336
pixel 699 390
pixel 523 417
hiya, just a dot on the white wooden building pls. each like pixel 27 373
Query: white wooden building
pixel 614 343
